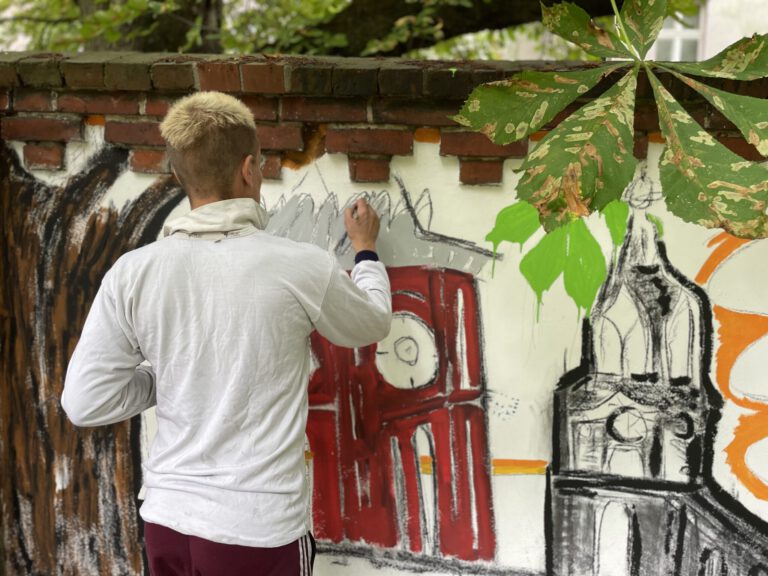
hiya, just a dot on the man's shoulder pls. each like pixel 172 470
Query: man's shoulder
pixel 296 248
pixel 140 254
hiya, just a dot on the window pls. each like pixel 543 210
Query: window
pixel 678 40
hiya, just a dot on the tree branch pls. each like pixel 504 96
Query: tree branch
pixel 364 20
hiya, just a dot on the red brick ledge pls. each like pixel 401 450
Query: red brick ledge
pixel 367 108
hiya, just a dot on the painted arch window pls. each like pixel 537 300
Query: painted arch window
pixel 613 544
pixel 712 563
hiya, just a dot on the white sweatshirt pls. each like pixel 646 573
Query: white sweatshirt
pixel 223 312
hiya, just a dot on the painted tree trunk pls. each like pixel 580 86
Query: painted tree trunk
pixel 65 493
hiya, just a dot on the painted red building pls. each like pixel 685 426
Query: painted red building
pixel 398 429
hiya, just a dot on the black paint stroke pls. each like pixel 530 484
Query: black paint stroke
pixel 700 515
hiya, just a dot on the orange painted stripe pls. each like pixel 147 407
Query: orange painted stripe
pixel 429 135
pixel 536 136
pixel 751 429
pixel 499 466
pixel 737 332
pixel 728 244
pixel 505 467
pixel 656 138
pixel 96 120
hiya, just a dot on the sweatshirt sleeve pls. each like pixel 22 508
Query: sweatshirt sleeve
pixel 356 310
pixel 104 382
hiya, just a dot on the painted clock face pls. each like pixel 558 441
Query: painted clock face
pixel 627 424
pixel 407 358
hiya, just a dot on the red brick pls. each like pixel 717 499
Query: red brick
pixel 480 171
pixel 41 129
pixel 263 77
pixel 370 141
pixel 310 77
pixel 477 144
pixel 646 118
pixel 221 76
pixel 85 103
pixel 272 165
pixel 4 101
pixel 32 101
pixel 756 88
pixel 129 72
pixel 738 145
pixel 369 169
pixel 401 79
pixel 47 156
pixel 414 112
pixel 142 133
pixel 86 69
pixel 150 160
pixel 83 75
pixel 158 105
pixel 8 75
pixel 448 83
pixel 41 70
pixel 640 149
pixel 172 75
pixel 483 76
pixel 324 109
pixel 262 108
pixel 711 118
pixel 563 114
pixel 272 137
pixel 361 80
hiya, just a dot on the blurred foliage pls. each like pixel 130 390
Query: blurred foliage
pixel 270 26
pixel 287 26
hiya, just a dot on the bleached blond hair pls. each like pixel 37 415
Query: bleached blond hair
pixel 208 134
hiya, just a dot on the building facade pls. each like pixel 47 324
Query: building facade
pixel 631 489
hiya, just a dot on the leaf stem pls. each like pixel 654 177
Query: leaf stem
pixel 623 36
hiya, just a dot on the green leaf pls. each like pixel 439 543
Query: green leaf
pixel 587 161
pixel 750 115
pixel 512 109
pixel 703 181
pixel 515 223
pixel 616 215
pixel 656 221
pixel 585 269
pixel 572 23
pixel 545 262
pixel 643 20
pixel 746 59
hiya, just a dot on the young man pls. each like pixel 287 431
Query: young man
pixel 223 312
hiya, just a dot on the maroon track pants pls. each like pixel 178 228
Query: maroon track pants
pixel 171 553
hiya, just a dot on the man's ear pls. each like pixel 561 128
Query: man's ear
pixel 175 175
pixel 246 169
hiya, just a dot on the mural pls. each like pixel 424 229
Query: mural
pixel 633 490
pixel 486 435
pixel 398 430
pixel 57 243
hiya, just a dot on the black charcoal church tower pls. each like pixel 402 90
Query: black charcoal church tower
pixel 630 421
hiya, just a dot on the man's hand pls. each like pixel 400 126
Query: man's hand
pixel 362 224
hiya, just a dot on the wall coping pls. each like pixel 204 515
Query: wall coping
pixel 367 108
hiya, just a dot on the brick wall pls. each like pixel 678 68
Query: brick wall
pixel 368 109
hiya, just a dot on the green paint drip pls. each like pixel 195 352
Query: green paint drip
pixel 545 262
